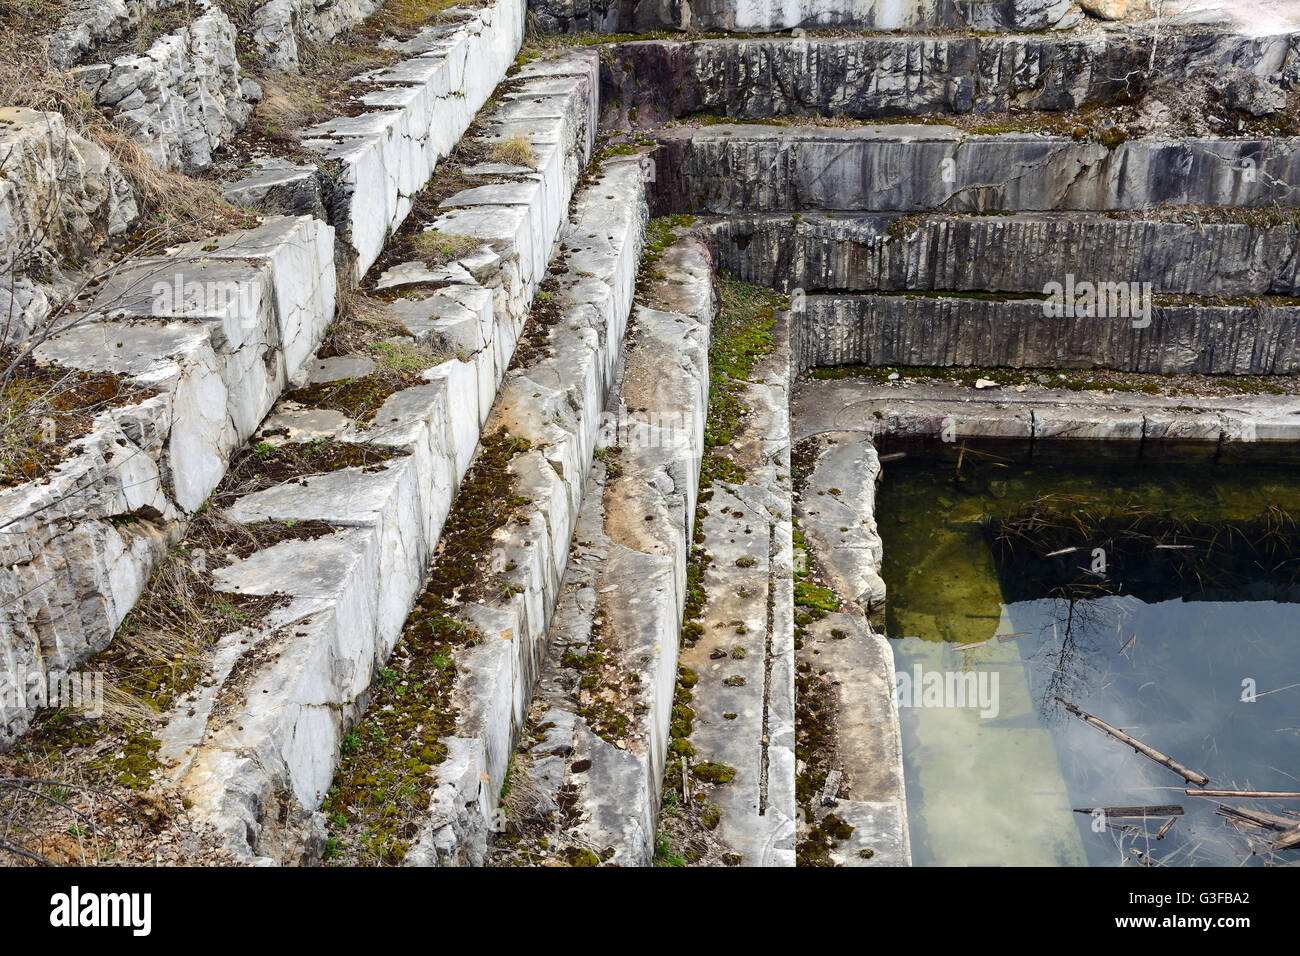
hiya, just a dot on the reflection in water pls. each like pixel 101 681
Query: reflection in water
pixel 1208 682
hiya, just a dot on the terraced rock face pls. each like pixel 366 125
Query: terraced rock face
pixel 652 81
pixel 208 337
pixel 924 168
pixel 457 512
pixel 1257 255
pixel 560 16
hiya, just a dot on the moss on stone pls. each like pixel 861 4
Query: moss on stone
pixel 381 787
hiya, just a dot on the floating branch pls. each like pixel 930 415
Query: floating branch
pixel 1170 810
pixel 1189 775
pixel 1288 840
pixel 1268 821
pixel 1247 794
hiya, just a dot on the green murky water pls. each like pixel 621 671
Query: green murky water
pixel 1192 605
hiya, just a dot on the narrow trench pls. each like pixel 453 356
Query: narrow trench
pixel 765 742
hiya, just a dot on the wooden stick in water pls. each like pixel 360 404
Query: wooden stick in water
pixel 1288 840
pixel 1172 810
pixel 1268 821
pixel 1244 794
pixel 1191 776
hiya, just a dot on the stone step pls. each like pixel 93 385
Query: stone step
pixel 1043 414
pixel 216 330
pixel 953 330
pixel 310 666
pixel 737 662
pixel 415 111
pixel 552 399
pixel 1022 252
pixel 597 730
pixel 737 169
pixel 845 663
pixel 890 75
pixel 265 297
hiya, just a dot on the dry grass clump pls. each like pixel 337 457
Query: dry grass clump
pixel 439 248
pixel 292 102
pixel 517 150
pixel 191 207
pixel 359 321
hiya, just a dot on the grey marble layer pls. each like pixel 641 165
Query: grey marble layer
pixel 866 76
pixel 756 16
pixel 961 331
pixel 727 170
pixel 1012 253
pixel 216 331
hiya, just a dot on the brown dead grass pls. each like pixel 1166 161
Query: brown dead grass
pixel 516 151
pixel 184 206
pixel 51 810
pixel 45 409
pixel 439 248
pixel 360 321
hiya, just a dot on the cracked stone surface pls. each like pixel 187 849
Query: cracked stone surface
pixel 566 16
pixel 401 509
pixel 554 399
pixel 61 197
pixel 625 582
pixel 1040 413
pixel 862 77
pixel 418 109
pixel 744 656
pixel 952 331
pixel 217 332
pixel 181 99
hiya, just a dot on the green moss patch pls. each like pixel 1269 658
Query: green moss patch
pixel 381 788
pixel 45 409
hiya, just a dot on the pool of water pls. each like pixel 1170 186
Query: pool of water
pixel 1159 593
